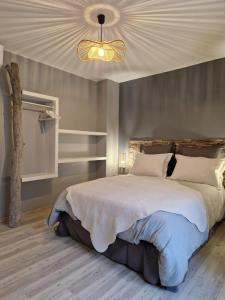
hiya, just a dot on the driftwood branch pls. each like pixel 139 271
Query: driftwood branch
pixel 15 206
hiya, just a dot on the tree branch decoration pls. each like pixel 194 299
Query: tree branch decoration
pixel 15 206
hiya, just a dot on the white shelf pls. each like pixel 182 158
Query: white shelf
pixel 80 132
pixel 37 104
pixel 37 176
pixel 36 97
pixel 80 159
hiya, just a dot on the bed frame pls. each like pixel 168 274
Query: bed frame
pixel 143 257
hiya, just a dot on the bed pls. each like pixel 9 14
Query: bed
pixel 127 219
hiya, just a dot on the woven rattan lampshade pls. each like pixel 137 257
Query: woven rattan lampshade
pixel 101 50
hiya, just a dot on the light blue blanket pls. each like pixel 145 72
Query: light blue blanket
pixel 175 238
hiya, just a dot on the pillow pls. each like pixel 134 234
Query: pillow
pixel 151 165
pixel 199 169
pixel 210 151
pixel 156 149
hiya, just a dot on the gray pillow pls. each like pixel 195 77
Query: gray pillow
pixel 209 152
pixel 156 149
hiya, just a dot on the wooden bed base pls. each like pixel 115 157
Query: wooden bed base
pixel 142 258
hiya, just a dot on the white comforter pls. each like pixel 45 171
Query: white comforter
pixel 111 205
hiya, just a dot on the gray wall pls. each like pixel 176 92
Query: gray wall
pixel 185 103
pixel 80 108
pixel 108 96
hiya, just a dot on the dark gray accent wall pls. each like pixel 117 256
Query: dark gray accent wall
pixel 185 103
pixel 79 109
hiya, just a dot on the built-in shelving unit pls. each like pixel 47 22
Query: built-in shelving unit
pixel 40 152
pixel 47 146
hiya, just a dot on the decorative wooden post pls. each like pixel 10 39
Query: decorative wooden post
pixel 15 207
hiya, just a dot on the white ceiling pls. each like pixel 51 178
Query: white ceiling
pixel 160 35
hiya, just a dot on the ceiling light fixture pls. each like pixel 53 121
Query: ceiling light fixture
pixel 101 50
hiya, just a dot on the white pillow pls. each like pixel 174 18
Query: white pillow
pixel 151 164
pixel 199 169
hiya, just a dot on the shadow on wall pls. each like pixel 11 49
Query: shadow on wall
pixel 165 130
pixel 30 190
pixel 50 189
pixel 32 193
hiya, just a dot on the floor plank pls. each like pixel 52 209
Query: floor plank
pixel 36 264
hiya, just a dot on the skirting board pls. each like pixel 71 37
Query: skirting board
pixel 3 220
pixel 30 208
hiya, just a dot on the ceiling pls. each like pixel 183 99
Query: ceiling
pixel 160 35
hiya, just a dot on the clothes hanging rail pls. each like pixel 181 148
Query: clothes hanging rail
pixel 33 109
pixel 37 104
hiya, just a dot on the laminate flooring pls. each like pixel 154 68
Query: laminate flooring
pixel 36 264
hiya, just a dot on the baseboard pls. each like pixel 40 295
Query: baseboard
pixel 3 220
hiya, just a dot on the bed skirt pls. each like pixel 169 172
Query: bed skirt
pixel 142 258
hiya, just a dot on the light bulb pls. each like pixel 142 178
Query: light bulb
pixel 101 52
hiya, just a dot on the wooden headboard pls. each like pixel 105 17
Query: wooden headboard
pixel 136 143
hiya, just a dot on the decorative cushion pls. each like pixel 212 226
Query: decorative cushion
pixel 156 149
pixel 151 165
pixel 210 152
pixel 171 165
pixel 199 169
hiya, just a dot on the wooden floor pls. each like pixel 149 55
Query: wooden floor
pixel 35 264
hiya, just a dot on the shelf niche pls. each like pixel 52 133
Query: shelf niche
pixel 40 152
pixel 81 146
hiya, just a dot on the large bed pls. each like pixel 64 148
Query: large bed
pixel 152 224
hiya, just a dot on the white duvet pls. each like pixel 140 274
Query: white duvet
pixel 112 205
